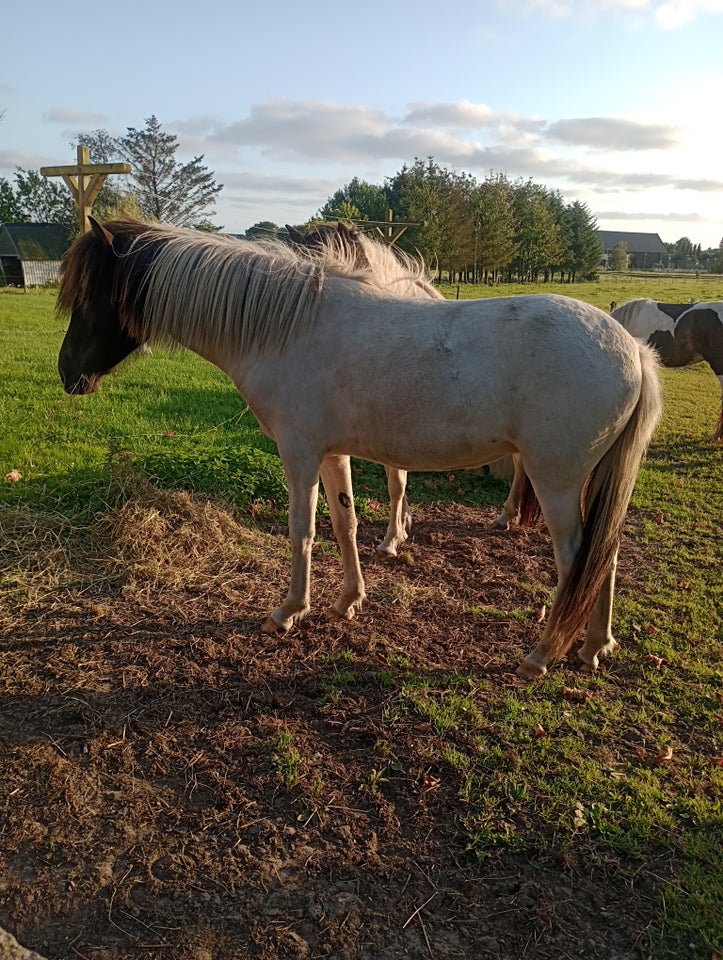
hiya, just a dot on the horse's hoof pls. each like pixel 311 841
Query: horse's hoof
pixel 270 626
pixel 348 613
pixel 500 523
pixel 386 552
pixel 591 661
pixel 530 671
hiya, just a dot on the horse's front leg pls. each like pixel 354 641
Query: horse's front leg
pixel 302 478
pixel 599 639
pixel 400 517
pixel 336 477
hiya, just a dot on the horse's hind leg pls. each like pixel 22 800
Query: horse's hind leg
pixel 400 517
pixel 563 517
pixel 599 640
pixel 511 509
pixel 718 433
pixel 336 477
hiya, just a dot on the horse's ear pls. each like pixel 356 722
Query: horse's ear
pixel 100 232
pixel 294 234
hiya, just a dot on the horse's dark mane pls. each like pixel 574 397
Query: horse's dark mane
pixel 84 268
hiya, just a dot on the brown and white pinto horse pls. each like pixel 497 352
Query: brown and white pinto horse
pixel 682 333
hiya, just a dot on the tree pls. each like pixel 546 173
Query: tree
pixel 537 236
pixel 166 189
pixel 42 200
pixel 263 230
pixel 358 200
pixel 10 211
pixel 584 247
pixel 423 193
pixel 495 226
pixel 115 200
pixel 619 256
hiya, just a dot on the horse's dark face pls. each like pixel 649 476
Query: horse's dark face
pixel 95 341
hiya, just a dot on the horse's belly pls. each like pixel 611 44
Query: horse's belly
pixel 424 457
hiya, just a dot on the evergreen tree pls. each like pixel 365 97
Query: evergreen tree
pixel 166 189
pixel 585 249
pixel 619 258
pixel 495 226
pixel 537 234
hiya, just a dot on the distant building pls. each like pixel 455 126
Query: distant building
pixel 646 250
pixel 30 253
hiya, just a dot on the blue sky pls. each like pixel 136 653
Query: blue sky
pixel 614 102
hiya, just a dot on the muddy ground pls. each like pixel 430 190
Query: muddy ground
pixel 178 785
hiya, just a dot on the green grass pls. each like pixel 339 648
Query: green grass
pixel 537 771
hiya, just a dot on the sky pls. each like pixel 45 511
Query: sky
pixel 615 103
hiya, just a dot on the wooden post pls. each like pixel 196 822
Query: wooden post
pixel 85 180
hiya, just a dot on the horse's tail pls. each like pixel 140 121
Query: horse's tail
pixel 604 507
pixel 529 507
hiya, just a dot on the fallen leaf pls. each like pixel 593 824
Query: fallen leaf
pixel 170 434
pixel 451 478
pixel 430 783
pixel 641 753
pixel 13 476
pixel 578 817
pixel 542 614
pixel 656 661
pixel 665 754
pixel 540 731
pixel 717 761
pixel 575 694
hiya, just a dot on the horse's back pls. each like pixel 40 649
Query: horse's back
pixel 482 377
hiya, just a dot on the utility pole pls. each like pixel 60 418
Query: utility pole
pixel 84 180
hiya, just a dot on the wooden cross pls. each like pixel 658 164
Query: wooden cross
pixel 389 229
pixel 84 180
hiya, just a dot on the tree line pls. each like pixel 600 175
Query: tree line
pixel 489 230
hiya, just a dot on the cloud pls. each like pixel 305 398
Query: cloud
pixel 450 116
pixel 73 118
pixel 666 14
pixel 295 126
pixel 651 215
pixel 611 133
pixel 252 182
pixel 10 159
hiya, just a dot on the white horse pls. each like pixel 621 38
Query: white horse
pixel 403 277
pixel 334 366
pixel 682 333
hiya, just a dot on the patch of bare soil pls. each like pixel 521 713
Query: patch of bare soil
pixel 178 785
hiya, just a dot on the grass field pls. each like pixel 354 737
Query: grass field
pixel 619 773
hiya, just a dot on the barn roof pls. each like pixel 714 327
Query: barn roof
pixel 636 242
pixel 34 241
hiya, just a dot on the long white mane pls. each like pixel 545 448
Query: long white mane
pixel 256 294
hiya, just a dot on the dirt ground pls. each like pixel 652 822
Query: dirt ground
pixel 178 785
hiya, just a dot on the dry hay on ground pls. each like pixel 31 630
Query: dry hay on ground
pixel 178 785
